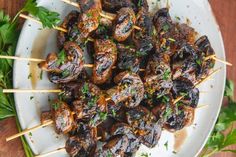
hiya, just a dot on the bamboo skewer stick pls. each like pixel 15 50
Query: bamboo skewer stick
pixel 37 21
pixel 29 130
pixel 32 91
pixel 217 59
pixel 102 14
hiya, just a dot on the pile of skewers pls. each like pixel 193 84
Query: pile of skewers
pixel 144 78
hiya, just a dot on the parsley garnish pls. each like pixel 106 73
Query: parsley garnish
pixel 65 73
pixel 198 61
pixel 56 105
pixel 113 112
pixel 61 58
pixel 85 89
pixel 103 115
pixel 41 75
pixel 166 74
pixel 166 145
pixel 31 97
pixel 166 27
pixel 140 54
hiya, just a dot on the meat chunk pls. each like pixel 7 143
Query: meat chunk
pixel 46 116
pixel 115 5
pixel 65 66
pixel 129 89
pixel 105 59
pixel 123 24
pixel 62 116
pixel 144 125
pixel 83 142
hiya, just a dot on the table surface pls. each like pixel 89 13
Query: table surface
pixel 225 12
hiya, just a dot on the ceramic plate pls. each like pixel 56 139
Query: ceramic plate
pixel 37 42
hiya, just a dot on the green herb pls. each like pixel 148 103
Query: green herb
pixel 92 101
pixel 199 62
pixel 224 134
pixel 171 39
pixel 140 54
pixel 145 155
pixel 48 18
pixel 166 27
pixel 167 74
pixel 65 73
pixel 166 145
pixel 29 76
pixel 102 28
pixel 165 99
pixel 113 113
pixel 30 134
pixel 41 75
pixel 109 154
pixel 31 97
pixel 177 18
pixel 167 113
pixel 85 89
pixel 56 105
pixel 61 58
pixel 103 115
pixel 89 14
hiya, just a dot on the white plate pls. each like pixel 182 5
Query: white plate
pixel 41 42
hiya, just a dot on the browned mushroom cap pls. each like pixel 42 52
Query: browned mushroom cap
pixel 123 24
pixel 144 125
pixel 62 116
pixel 88 21
pixel 129 89
pixel 46 116
pixel 70 24
pixel 105 58
pixel 65 66
pixel 115 5
pixel 143 38
pixel 125 129
pixel 82 142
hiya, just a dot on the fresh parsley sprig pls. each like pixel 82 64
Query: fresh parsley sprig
pixel 224 134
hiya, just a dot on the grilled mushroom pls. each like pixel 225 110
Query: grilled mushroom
pixel 123 24
pixel 115 5
pixel 65 66
pixel 129 89
pixel 62 116
pixel 105 59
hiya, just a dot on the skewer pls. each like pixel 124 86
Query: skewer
pixel 102 14
pixel 217 59
pixel 40 60
pixel 32 91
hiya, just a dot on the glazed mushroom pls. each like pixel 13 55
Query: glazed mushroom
pixel 105 58
pixel 62 116
pixel 144 125
pixel 123 24
pixel 129 89
pixel 115 5
pixel 65 66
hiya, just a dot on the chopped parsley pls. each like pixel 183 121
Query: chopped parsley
pixel 166 27
pixel 140 54
pixel 145 154
pixel 92 101
pixel 167 113
pixel 113 112
pixel 199 62
pixel 166 74
pixel 103 115
pixel 165 99
pixel 166 145
pixel 56 105
pixel 61 58
pixel 65 73
pixel 31 97
pixel 85 89
pixel 29 76
pixel 41 75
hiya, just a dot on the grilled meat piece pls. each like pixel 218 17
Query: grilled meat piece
pixel 141 4
pixel 144 125
pixel 65 66
pixel 104 129
pixel 158 78
pixel 46 116
pixel 129 89
pixel 123 24
pixel 105 59
pixel 143 38
pixel 83 142
pixel 125 129
pixel 62 117
pixel 204 47
pixel 70 24
pixel 127 58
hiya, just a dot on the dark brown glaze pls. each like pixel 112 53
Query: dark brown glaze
pixel 73 34
pixel 127 58
pixel 192 98
pixel 184 62
pixel 144 125
pixel 104 128
pixel 62 116
pixel 203 45
pixel 123 24
pixel 141 4
pixel 46 116
pixel 143 38
pixel 88 20
pixel 115 5
pixel 125 129
pixel 129 89
pixel 158 78
pixel 90 103
pixel 170 36
pixel 65 66
pixel 82 142
pixel 105 58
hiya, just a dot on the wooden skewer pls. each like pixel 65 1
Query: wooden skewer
pixel 29 130
pixel 217 59
pixel 102 14
pixel 32 91
pixel 37 21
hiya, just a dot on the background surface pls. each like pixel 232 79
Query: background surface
pixel 225 12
